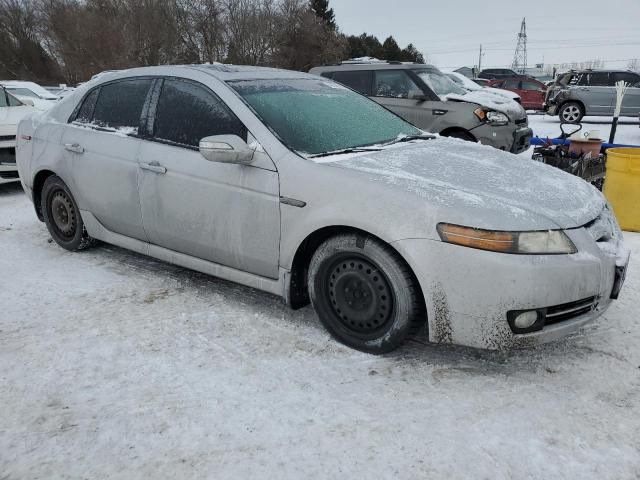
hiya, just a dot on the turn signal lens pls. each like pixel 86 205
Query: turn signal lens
pixel 480 113
pixel 536 243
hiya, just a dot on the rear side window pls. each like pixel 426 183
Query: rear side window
pixel 85 113
pixel 595 79
pixel 513 84
pixel 119 104
pixel 188 112
pixel 359 81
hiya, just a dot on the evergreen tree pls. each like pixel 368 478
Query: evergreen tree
pixel 322 10
pixel 391 50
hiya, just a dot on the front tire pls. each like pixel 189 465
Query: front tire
pixel 571 112
pixel 364 293
pixel 62 216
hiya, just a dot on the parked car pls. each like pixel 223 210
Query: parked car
pixel 592 92
pixel 12 111
pixel 32 92
pixel 493 73
pixel 296 185
pixel 531 91
pixel 483 82
pixel 472 86
pixel 424 96
pixel 60 91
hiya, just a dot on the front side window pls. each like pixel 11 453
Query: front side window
pixel 8 100
pixel 119 104
pixel 394 84
pixel 528 85
pixel 318 116
pixel 440 83
pixel 360 81
pixel 22 92
pixel 188 112
pixel 631 78
pixel 512 84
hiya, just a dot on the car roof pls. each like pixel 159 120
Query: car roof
pixel 350 66
pixel 222 72
pixel 599 70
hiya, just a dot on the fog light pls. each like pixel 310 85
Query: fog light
pixel 526 319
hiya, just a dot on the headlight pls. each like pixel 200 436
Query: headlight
pixel 492 117
pixel 549 242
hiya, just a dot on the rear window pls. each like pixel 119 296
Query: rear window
pixel 119 104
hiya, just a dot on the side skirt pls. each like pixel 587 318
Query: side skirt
pixel 98 231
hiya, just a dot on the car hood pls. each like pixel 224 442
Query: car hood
pixel 490 100
pixel 479 186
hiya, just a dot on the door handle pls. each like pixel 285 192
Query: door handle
pixel 74 147
pixel 439 112
pixel 153 167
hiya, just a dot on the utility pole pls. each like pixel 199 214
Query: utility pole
pixel 520 57
pixel 480 61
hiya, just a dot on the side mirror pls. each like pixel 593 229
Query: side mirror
pixel 226 149
pixel 28 101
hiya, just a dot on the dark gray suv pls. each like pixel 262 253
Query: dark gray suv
pixel 426 97
pixel 591 92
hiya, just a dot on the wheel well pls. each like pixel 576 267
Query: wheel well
pixel 584 110
pixel 451 130
pixel 38 183
pixel 298 289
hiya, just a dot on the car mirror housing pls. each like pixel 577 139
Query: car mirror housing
pixel 28 102
pixel 418 95
pixel 226 149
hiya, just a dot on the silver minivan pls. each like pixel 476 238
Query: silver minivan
pixel 429 99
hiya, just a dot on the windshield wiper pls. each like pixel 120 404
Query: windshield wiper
pixel 345 150
pixel 408 138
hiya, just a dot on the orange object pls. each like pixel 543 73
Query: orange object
pixel 581 147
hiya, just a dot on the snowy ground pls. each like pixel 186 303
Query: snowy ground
pixel 113 365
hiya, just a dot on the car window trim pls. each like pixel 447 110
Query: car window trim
pixel 153 109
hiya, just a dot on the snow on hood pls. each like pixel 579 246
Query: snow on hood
pixel 493 101
pixel 492 188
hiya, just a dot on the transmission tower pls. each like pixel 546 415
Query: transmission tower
pixel 520 58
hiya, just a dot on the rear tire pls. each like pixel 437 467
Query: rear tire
pixel 62 216
pixel 364 293
pixel 571 112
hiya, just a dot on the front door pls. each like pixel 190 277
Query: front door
pixel 597 92
pixel 102 145
pixel 631 99
pixel 225 213
pixel 394 89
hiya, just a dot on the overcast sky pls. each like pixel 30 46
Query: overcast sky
pixel 449 32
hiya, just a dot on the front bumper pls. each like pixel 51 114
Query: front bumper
pixel 469 292
pixel 510 137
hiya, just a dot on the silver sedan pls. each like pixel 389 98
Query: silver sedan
pixel 296 185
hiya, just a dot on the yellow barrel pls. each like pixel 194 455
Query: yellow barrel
pixel 622 186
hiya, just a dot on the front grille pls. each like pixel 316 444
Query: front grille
pixel 567 311
pixel 4 138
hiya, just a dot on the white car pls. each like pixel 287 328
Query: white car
pixel 30 92
pixel 12 111
pixel 472 86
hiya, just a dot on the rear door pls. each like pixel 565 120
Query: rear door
pixel 102 144
pixel 631 99
pixel 11 112
pixel 221 212
pixel 596 91
pixel 395 88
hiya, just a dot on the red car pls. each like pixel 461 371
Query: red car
pixel 531 91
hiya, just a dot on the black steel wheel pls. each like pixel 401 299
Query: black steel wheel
pixel 364 293
pixel 62 216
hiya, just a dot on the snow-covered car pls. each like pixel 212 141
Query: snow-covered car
pixel 426 97
pixel 472 86
pixel 299 186
pixel 40 97
pixel 12 111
